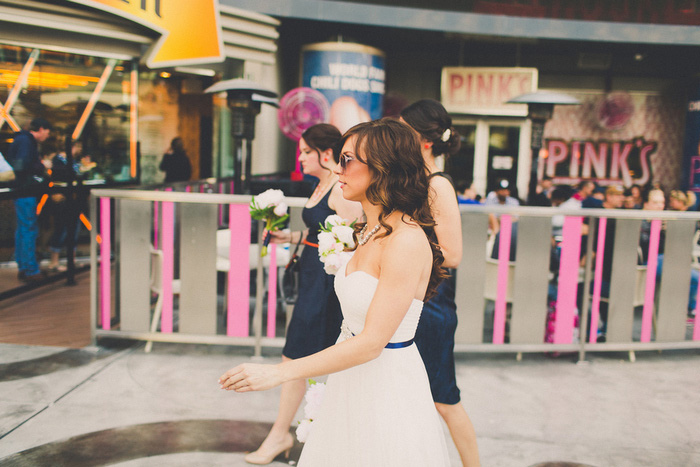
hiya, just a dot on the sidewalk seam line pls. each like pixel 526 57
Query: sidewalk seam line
pixel 117 358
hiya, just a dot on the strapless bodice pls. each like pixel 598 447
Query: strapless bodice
pixel 355 292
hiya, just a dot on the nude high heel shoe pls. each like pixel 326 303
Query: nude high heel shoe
pixel 264 458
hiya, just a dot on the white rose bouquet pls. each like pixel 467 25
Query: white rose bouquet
pixel 270 207
pixel 313 397
pixel 334 238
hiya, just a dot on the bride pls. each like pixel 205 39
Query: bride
pixel 377 408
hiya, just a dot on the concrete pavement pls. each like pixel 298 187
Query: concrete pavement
pixel 116 405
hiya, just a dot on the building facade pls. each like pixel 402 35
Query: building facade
pixel 631 64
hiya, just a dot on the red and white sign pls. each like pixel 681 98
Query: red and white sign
pixel 484 91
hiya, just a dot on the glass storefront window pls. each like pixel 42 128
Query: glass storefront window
pixel 59 87
pixel 461 165
pixel 503 156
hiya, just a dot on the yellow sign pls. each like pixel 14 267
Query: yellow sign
pixel 190 30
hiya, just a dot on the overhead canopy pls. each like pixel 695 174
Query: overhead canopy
pixel 78 28
pixel 74 29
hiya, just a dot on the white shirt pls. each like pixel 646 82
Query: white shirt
pixel 492 200
pixel 4 165
pixel 558 221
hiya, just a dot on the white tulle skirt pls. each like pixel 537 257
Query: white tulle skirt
pixel 378 414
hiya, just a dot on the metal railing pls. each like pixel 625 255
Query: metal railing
pixel 186 229
pixel 552 289
pixel 598 268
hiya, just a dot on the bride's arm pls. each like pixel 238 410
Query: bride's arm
pixel 403 268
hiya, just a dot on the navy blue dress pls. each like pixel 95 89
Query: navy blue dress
pixel 316 319
pixel 435 339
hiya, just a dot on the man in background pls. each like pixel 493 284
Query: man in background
pixel 23 155
pixel 499 197
pixel 543 195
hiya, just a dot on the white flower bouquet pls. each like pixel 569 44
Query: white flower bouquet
pixel 313 397
pixel 334 239
pixel 269 206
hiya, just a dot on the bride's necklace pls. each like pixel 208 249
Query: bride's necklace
pixel 362 239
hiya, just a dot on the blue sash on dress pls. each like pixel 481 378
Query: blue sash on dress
pixel 391 345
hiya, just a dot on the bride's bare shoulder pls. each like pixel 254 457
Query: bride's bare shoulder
pixel 407 237
pixel 406 253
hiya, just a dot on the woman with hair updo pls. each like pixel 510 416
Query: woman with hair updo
pixel 435 336
pixel 316 319
pixel 377 409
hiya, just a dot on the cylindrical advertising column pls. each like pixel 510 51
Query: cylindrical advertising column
pixel 350 76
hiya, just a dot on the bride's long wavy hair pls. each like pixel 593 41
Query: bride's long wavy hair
pixel 399 180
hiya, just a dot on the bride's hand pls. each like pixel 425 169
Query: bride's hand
pixel 251 377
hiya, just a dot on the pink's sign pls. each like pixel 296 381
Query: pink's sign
pixel 484 91
pixel 606 162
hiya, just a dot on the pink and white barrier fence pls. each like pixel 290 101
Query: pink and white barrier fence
pixel 606 281
pixel 609 280
pixel 171 259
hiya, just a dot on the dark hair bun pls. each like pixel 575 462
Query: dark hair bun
pixel 432 122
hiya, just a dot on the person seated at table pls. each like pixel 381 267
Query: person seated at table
pixel 584 190
pixel 597 198
pixel 652 200
pixel 655 200
pixel 614 197
pixel 543 193
pixel 633 197
pixel 466 193
pixel 501 196
pixel 681 200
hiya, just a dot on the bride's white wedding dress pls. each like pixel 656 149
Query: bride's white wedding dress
pixel 380 413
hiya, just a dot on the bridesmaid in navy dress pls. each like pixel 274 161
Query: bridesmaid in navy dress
pixel 435 336
pixel 316 319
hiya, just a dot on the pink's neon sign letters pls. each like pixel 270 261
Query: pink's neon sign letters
pixel 607 162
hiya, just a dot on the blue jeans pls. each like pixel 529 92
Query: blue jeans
pixel 25 236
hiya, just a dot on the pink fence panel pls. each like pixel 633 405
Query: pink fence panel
pixel 168 248
pixel 650 286
pixel 568 280
pixel 238 307
pixel 105 264
pixel 499 313
pixel 597 280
